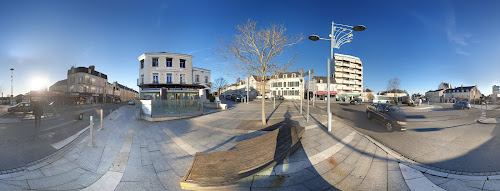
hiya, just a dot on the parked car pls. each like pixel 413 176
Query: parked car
pixel 236 98
pixel 461 105
pixel 228 97
pixel 279 97
pixel 131 102
pixel 259 97
pixel 391 116
pixel 20 107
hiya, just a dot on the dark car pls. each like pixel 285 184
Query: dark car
pixel 236 98
pixel 279 97
pixel 228 97
pixel 461 105
pixel 355 101
pixel 391 116
pixel 20 107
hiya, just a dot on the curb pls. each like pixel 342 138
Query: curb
pixel 486 121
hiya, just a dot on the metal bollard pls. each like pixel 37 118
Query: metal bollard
pixel 274 100
pixel 102 128
pixel 91 143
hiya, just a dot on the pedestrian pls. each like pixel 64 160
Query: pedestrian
pixel 37 111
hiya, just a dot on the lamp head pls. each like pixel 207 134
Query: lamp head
pixel 359 28
pixel 314 37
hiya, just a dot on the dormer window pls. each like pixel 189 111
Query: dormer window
pixel 285 76
pixel 293 75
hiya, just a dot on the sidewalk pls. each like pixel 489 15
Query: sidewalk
pixel 131 154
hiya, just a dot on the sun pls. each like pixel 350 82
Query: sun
pixel 38 83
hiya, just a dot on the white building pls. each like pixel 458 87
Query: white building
pixel 348 74
pixel 170 76
pixel 288 85
pixel 462 93
pixel 495 93
pixel 319 87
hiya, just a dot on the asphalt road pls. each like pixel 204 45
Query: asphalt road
pixel 441 137
pixel 21 142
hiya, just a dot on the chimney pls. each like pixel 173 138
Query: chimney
pixel 92 67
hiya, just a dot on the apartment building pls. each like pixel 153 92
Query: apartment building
pixel 86 85
pixel 348 74
pixel 288 85
pixel 171 76
pixel 462 93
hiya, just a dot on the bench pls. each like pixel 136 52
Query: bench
pixel 219 170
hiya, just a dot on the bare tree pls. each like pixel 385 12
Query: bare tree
pixel 259 51
pixel 393 86
pixel 219 84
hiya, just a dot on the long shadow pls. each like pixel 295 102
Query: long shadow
pixel 437 129
pixel 270 115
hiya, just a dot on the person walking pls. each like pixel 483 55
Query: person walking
pixel 37 111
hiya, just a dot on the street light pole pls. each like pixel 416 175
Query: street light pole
pixel 12 86
pixel 337 38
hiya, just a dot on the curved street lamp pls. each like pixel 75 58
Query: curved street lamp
pixel 340 35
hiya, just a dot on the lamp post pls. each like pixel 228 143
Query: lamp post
pixel 339 35
pixel 12 86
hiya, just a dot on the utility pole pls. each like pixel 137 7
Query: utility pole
pixel 12 86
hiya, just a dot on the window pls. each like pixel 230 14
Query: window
pixel 285 92
pixel 169 78
pixel 297 92
pixel 293 75
pixel 182 78
pixel 169 62
pixel 197 79
pixel 206 79
pixel 142 79
pixel 183 63
pixel 142 63
pixel 285 76
pixel 155 78
pixel 297 84
pixel 155 62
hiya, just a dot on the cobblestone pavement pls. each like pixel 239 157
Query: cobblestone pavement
pixel 131 154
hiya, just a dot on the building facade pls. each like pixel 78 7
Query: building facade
pixel 319 87
pixel 170 76
pixel 288 85
pixel 437 95
pixel 86 85
pixel 462 93
pixel 348 74
pixel 495 93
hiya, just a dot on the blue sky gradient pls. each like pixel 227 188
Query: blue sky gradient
pixel 423 43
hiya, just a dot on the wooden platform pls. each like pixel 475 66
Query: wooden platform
pixel 220 170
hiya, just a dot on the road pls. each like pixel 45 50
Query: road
pixel 441 137
pixel 21 142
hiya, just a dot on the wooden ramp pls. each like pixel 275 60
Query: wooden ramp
pixel 221 170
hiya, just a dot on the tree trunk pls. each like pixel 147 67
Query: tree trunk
pixel 263 92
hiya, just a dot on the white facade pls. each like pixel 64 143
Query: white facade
pixel 174 73
pixel 348 74
pixel 288 85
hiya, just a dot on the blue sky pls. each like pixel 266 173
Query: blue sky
pixel 422 43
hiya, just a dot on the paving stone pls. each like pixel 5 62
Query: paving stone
pixel 56 180
pixel 349 183
pixel 376 178
pixel 145 157
pixel 58 169
pixel 27 175
pixel 170 180
pixel 436 179
pixel 492 185
pixel 362 166
pixel 159 162
pixel 458 185
pixel 90 158
pixel 18 183
pixel 180 166
pixel 352 158
pixel 85 180
pixel 324 166
pixel 395 181
pixel 4 186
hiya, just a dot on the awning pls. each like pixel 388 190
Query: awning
pixel 324 93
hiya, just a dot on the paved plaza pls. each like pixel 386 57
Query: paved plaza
pixel 132 154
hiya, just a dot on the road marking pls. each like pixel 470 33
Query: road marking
pixel 49 128
pixel 110 180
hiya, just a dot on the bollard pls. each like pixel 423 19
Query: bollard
pixel 274 100
pixel 91 143
pixel 102 128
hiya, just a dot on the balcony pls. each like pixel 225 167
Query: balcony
pixel 358 77
pixel 358 83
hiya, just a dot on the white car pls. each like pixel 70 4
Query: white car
pixel 259 97
pixel 131 102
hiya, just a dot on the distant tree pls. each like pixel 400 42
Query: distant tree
pixel 393 86
pixel 370 97
pixel 219 84
pixel 258 51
